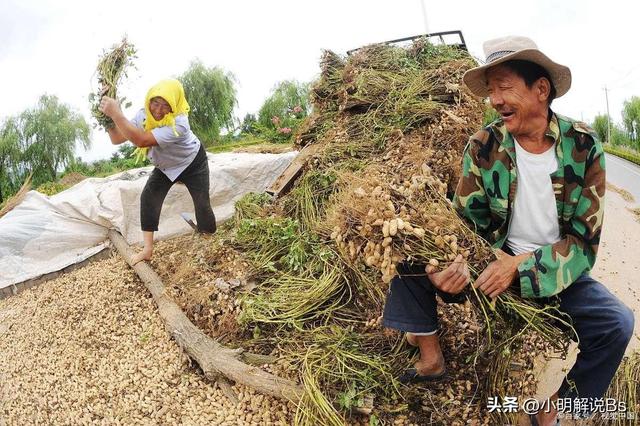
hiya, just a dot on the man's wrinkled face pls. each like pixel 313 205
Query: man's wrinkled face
pixel 516 103
pixel 159 108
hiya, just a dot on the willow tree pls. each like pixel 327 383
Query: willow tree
pixel 211 94
pixel 9 157
pixel 49 134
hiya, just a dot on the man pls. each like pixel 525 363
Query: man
pixel 533 184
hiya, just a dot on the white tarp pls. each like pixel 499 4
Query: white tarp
pixel 45 234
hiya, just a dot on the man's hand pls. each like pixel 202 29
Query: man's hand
pixel 499 274
pixel 453 279
pixel 109 107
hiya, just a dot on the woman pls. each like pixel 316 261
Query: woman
pixel 162 127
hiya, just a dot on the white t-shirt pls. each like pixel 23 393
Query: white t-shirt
pixel 534 222
pixel 173 153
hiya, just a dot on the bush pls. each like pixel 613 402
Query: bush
pixel 248 124
pixel 489 115
pixel 51 188
pixel 627 154
pixel 618 137
pixel 281 114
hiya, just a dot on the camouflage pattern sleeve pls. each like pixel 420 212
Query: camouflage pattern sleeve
pixel 554 267
pixel 470 199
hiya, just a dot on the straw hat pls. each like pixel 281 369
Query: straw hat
pixel 509 48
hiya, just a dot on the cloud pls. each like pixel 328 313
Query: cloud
pixel 21 25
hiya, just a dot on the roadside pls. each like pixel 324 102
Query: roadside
pixel 617 267
pixel 624 174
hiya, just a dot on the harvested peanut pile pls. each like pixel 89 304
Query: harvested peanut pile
pixel 304 277
pixel 90 348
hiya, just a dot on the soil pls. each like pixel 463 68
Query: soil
pixel 71 179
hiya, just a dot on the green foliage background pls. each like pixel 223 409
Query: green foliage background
pixel 285 108
pixel 626 135
pixel 211 94
pixel 41 140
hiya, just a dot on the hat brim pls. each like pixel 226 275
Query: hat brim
pixel 476 80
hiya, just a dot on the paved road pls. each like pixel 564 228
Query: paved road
pixel 623 174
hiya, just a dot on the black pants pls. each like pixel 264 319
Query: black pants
pixel 411 301
pixel 196 179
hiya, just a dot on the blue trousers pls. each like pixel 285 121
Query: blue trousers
pixel 604 325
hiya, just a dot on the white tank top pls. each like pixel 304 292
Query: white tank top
pixel 534 222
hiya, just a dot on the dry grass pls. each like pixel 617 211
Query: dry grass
pixel 71 179
pixel 17 198
pixel 266 148
pixel 636 212
pixel 626 195
pixel 196 269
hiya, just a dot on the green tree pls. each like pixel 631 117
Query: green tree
pixel 631 120
pixel 49 133
pixel 125 150
pixel 248 124
pixel 10 154
pixel 212 97
pixel 601 126
pixel 284 110
pixel 619 137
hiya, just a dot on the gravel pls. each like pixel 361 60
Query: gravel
pixel 90 348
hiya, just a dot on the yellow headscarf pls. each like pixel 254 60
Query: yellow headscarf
pixel 171 91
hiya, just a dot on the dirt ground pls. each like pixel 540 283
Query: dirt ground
pixel 106 359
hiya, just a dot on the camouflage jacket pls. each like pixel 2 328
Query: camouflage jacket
pixel 486 192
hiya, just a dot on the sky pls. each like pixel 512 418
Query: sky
pixel 53 46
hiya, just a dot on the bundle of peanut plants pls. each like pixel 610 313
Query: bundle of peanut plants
pixel 624 392
pixel 391 124
pixel 111 70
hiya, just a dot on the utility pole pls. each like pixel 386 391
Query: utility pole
pixel 606 96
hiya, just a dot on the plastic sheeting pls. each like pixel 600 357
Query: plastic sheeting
pixel 45 234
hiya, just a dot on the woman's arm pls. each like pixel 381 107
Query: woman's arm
pixel 124 128
pixel 116 137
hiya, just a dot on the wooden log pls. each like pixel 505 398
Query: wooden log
pixel 215 360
